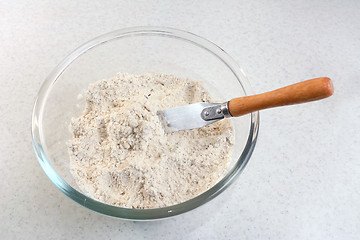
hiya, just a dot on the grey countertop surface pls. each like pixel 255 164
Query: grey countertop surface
pixel 302 181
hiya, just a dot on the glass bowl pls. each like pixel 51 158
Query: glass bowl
pixel 136 50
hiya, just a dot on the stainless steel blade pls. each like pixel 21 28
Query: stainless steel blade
pixel 185 117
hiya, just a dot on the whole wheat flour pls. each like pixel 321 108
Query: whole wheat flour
pixel 120 154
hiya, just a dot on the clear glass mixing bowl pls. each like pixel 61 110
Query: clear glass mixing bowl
pixel 135 50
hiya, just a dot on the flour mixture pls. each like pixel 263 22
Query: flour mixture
pixel 120 154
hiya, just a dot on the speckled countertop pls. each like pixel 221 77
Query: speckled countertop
pixel 302 181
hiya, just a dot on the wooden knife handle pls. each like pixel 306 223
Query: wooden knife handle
pixel 306 91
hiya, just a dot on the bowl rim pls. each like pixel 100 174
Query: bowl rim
pixel 127 213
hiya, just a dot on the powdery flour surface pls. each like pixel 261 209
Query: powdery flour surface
pixel 120 154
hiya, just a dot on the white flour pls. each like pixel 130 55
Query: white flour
pixel 120 154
